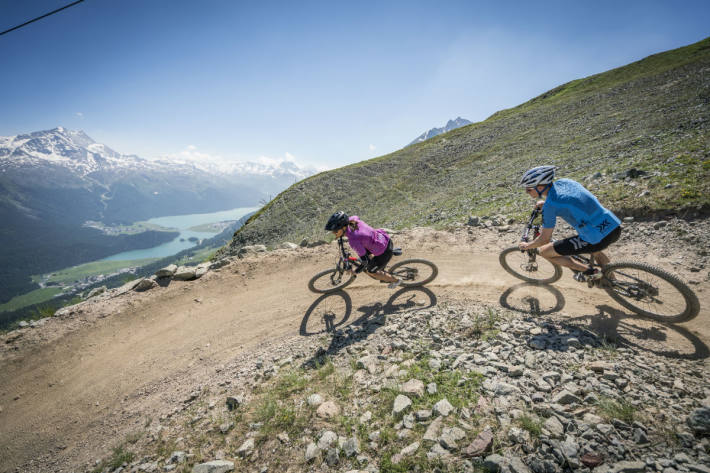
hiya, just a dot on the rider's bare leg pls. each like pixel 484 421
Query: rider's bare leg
pixel 381 276
pixel 601 258
pixel 548 252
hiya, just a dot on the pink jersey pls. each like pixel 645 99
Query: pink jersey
pixel 366 239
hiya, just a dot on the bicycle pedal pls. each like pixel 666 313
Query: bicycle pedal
pixel 579 276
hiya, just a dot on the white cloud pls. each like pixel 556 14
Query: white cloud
pixel 372 147
pixel 79 114
pixel 269 161
pixel 192 154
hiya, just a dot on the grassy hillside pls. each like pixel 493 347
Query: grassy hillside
pixel 652 115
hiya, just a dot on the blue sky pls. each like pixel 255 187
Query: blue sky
pixel 326 83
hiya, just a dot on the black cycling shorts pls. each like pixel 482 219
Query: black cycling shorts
pixel 575 245
pixel 378 263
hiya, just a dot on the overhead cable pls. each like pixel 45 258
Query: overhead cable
pixel 40 17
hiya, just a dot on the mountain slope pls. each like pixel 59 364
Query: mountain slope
pixel 651 116
pixel 450 125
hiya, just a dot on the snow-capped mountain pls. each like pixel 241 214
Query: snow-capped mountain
pixel 71 149
pixel 76 151
pixel 450 125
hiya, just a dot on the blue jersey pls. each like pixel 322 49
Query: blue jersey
pixel 577 206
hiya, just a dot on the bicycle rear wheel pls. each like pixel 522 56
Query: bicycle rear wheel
pixel 650 292
pixel 518 263
pixel 414 272
pixel 330 280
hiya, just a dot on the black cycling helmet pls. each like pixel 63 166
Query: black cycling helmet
pixel 337 220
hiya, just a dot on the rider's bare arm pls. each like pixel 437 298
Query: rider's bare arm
pixel 544 238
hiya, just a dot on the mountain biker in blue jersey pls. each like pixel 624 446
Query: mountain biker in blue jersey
pixel 374 247
pixel 597 227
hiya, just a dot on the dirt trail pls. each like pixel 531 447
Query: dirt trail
pixel 67 396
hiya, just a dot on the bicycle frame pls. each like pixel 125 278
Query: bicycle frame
pixel 346 261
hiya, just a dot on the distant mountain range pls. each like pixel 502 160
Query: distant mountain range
pixel 61 160
pixel 53 181
pixel 450 125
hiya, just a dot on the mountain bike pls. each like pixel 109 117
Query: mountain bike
pixel 411 272
pixel 646 290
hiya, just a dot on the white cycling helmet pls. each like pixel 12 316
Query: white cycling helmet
pixel 538 176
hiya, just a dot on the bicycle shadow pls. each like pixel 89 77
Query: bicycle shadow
pixel 521 298
pixel 325 311
pixel 631 331
pixel 609 327
pixel 373 316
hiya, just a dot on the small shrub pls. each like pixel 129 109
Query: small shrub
pixel 134 437
pixel 118 458
pixel 324 370
pixel 279 416
pixel 613 409
pixel 128 277
pixel 290 383
pixel 44 311
pixel 531 425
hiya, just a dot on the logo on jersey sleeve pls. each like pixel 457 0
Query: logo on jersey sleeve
pixel 603 226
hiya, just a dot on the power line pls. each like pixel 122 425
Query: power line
pixel 40 17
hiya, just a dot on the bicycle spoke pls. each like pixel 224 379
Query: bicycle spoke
pixel 414 272
pixel 531 268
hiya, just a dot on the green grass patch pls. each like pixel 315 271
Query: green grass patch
pixel 484 325
pixel 620 409
pixel 325 369
pixel 119 456
pixel 289 383
pixel 275 414
pixel 34 297
pixel 459 388
pixel 531 425
pixel 82 271
pixel 204 228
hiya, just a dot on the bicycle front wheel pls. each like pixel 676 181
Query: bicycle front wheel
pixel 650 292
pixel 414 272
pixel 330 280
pixel 536 269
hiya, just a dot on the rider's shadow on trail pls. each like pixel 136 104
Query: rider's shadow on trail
pixel 533 299
pixel 373 316
pixel 609 328
pixel 619 329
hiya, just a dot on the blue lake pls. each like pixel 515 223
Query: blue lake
pixel 182 223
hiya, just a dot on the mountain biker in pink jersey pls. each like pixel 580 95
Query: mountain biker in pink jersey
pixel 373 246
pixel 597 226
